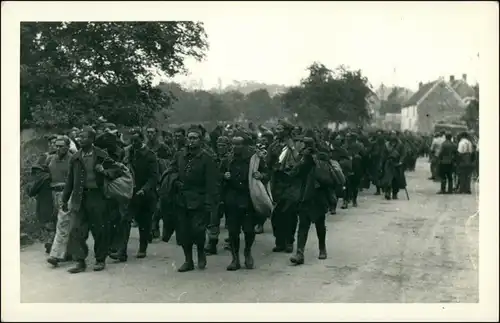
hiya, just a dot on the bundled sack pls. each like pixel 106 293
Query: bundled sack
pixel 121 187
pixel 337 171
pixel 260 194
pixel 323 173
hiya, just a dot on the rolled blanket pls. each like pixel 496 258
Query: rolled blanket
pixel 260 194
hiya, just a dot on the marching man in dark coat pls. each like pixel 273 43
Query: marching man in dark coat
pixel 144 167
pixel 393 178
pixel 356 152
pixel 240 213
pixel 282 156
pixel 314 199
pixel 196 198
pixel 222 152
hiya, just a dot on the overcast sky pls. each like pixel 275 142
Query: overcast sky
pixel 391 44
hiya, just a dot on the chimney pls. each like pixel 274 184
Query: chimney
pixel 452 78
pixel 420 84
pixel 464 77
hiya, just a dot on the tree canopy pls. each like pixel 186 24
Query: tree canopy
pixel 72 72
pixel 330 95
pixel 471 114
pixel 209 106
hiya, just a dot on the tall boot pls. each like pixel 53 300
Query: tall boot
pixel 395 194
pixel 211 247
pixel 333 208
pixel 321 233
pixel 355 197
pixel 155 228
pixel 200 250
pixel 298 258
pixel 143 247
pixel 443 187
pixel 235 253
pixel 345 199
pixel 188 264
pixel 450 186
pixel 387 193
pixel 202 257
pixel 247 252
pixel 279 243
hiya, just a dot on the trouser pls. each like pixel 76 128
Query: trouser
pixel 393 188
pixel 90 217
pixel 123 222
pixel 307 213
pixel 114 222
pixel 446 175
pixel 284 222
pixel 155 224
pixel 142 209
pixel 464 178
pixel 191 227
pixel 63 229
pixel 412 162
pixel 240 219
pixel 352 188
pixel 434 168
pixel 213 229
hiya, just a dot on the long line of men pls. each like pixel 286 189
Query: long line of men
pixel 192 179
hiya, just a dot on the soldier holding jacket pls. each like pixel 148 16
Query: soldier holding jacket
pixel 88 169
pixel 144 167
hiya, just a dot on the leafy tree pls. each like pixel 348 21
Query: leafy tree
pixel 471 115
pixel 327 95
pixel 259 106
pixel 71 72
pixel 235 101
pixel 204 106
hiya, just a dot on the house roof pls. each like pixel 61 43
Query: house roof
pixel 419 94
pixel 463 88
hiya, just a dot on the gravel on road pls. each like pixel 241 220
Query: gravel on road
pixel 424 250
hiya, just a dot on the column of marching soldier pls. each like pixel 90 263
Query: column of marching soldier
pixel 192 179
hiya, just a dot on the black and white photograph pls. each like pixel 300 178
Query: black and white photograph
pixel 278 154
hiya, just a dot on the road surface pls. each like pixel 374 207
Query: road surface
pixel 424 250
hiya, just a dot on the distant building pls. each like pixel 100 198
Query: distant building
pixel 389 100
pixel 464 89
pixel 434 101
pixel 392 121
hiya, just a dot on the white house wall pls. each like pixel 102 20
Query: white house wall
pixel 409 120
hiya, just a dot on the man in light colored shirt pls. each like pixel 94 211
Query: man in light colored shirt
pixel 436 145
pixel 465 166
pixel 465 146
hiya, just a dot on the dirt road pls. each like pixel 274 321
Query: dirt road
pixel 423 250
